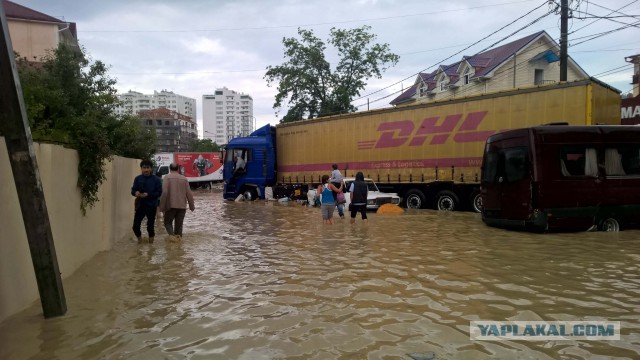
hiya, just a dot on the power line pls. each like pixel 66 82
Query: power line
pixel 489 47
pixel 595 21
pixel 504 74
pixel 493 33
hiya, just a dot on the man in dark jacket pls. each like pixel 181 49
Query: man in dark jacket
pixel 147 189
pixel 359 192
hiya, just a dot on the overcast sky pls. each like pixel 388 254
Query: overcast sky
pixel 192 47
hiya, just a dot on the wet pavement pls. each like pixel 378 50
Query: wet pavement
pixel 268 281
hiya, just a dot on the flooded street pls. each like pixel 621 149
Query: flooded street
pixel 268 281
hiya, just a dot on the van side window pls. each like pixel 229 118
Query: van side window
pixel 578 161
pixel 622 160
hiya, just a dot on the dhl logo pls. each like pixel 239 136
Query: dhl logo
pixel 398 133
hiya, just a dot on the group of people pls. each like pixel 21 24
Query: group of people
pixel 332 191
pixel 171 195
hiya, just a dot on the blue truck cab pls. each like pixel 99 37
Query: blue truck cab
pixel 250 164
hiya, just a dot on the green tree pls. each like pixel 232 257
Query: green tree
pixel 204 145
pixel 70 100
pixel 308 85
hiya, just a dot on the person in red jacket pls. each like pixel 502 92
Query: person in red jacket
pixel 176 193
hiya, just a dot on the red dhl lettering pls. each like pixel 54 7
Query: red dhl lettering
pixel 398 133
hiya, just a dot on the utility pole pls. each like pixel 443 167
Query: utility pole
pixel 564 20
pixel 14 126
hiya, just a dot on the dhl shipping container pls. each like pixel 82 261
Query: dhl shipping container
pixel 430 153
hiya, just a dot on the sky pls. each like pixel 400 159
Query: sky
pixel 192 47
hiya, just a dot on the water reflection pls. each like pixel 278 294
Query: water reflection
pixel 268 280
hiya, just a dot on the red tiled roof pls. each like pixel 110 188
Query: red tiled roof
pixel 17 11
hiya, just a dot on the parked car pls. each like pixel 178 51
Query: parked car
pixel 375 197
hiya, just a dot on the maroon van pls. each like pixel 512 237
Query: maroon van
pixel 561 177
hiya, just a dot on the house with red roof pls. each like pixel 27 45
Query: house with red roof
pixel 174 131
pixel 34 33
pixel 531 60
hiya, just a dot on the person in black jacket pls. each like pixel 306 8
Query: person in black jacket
pixel 358 192
pixel 147 189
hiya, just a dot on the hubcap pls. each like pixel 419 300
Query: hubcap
pixel 413 202
pixel 445 203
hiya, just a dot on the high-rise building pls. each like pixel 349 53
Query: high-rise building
pixel 226 114
pixel 134 102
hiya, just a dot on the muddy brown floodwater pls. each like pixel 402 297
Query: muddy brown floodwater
pixel 256 280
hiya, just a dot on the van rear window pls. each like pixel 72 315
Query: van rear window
pixel 509 165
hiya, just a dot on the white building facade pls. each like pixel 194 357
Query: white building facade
pixel 227 114
pixel 134 102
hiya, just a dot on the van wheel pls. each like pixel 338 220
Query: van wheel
pixel 414 199
pixel 476 202
pixel 446 200
pixel 250 195
pixel 610 225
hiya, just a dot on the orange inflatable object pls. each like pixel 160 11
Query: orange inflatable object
pixel 390 209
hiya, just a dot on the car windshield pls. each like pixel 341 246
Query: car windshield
pixel 371 186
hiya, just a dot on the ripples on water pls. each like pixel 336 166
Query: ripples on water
pixel 268 280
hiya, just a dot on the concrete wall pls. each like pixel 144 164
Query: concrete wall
pixel 77 238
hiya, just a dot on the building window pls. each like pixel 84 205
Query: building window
pixel 158 122
pixel 443 85
pixel 467 76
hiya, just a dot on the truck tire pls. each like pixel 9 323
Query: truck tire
pixel 414 199
pixel 250 195
pixel 447 201
pixel 476 201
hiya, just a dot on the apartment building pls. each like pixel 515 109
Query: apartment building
pixel 227 114
pixel 133 102
pixel 174 132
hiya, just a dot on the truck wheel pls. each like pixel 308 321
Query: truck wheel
pixel 414 199
pixel 609 224
pixel 250 195
pixel 446 200
pixel 476 202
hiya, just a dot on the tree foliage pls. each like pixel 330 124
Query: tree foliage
pixel 204 145
pixel 70 100
pixel 309 86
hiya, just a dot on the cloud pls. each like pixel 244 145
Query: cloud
pixel 194 47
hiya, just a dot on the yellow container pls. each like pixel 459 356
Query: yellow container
pixel 438 141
